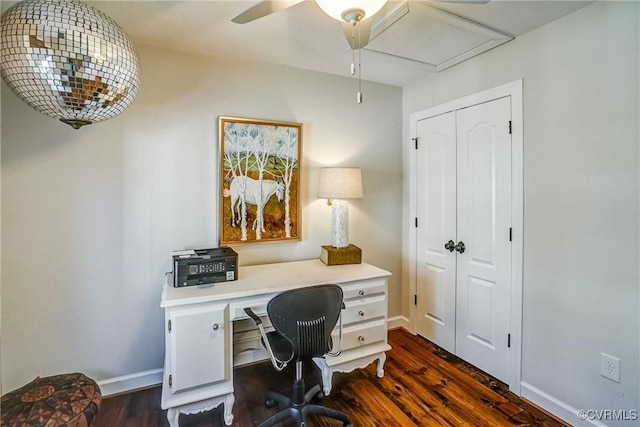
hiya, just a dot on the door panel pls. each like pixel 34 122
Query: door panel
pixel 483 222
pixel 479 177
pixel 436 201
pixel 202 331
pixel 481 304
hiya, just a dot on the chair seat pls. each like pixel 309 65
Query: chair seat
pixel 71 400
pixel 280 346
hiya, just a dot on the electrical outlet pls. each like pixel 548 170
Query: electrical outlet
pixel 610 367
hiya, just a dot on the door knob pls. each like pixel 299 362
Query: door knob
pixel 450 246
pixel 459 247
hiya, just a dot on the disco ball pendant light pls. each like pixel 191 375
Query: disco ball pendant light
pixel 68 60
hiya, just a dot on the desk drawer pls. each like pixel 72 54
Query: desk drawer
pixel 360 310
pixel 361 289
pixel 362 335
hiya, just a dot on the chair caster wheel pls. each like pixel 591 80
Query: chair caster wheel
pixel 269 403
pixel 319 395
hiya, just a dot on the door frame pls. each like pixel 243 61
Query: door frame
pixel 514 90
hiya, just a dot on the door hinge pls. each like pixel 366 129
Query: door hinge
pixel 169 325
pixel 416 222
pixel 510 234
pixel 415 140
pixel 415 300
pixel 508 340
pixel 509 127
pixel 170 381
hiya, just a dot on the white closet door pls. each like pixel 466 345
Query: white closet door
pixel 483 225
pixel 436 205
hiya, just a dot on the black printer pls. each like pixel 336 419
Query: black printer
pixel 204 266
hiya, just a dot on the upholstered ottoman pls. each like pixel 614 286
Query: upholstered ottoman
pixel 70 400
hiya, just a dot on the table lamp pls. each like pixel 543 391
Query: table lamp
pixel 337 185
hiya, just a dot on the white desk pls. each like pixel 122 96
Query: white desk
pixel 207 331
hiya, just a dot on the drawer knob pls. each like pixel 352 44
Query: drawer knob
pixel 361 339
pixel 361 292
pixel 361 313
pixel 216 326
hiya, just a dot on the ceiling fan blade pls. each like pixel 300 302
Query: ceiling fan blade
pixel 464 1
pixel 357 35
pixel 262 9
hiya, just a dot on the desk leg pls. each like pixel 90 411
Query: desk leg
pixel 326 374
pixel 381 360
pixel 229 400
pixel 348 366
pixel 172 416
pixel 201 406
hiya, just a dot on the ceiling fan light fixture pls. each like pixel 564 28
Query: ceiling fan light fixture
pixel 353 16
pixel 351 11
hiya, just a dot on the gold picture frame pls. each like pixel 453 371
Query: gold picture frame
pixel 259 191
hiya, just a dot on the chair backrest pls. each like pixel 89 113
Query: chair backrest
pixel 305 317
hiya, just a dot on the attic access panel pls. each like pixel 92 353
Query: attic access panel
pixel 422 33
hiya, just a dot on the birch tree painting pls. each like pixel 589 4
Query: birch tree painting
pixel 260 168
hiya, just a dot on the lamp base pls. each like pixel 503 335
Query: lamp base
pixel 339 256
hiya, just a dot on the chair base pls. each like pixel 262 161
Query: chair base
pixel 299 411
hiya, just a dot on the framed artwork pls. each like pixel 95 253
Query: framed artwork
pixel 259 194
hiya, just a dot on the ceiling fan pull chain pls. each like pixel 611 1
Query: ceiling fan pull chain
pixel 353 52
pixel 359 96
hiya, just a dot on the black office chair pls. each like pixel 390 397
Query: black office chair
pixel 303 320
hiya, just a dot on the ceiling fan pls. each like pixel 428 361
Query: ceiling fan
pixel 355 15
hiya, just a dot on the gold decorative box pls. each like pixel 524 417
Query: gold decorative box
pixel 338 256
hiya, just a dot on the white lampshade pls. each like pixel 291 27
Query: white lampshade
pixel 340 183
pixel 352 10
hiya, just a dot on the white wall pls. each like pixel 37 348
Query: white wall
pixel 90 216
pixel 581 161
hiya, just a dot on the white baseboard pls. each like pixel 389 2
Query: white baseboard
pixel 557 407
pixel 398 322
pixel 130 382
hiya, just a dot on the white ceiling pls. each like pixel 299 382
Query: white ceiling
pixel 303 36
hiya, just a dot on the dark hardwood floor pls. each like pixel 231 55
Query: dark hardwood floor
pixel 423 386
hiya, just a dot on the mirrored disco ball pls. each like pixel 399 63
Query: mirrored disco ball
pixel 68 60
